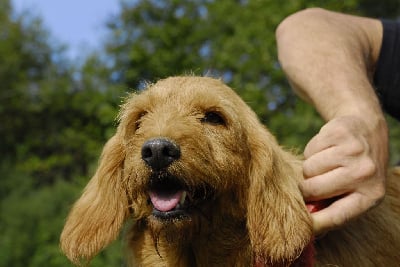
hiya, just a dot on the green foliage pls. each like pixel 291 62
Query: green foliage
pixel 31 222
pixel 233 40
pixel 56 115
pixel 54 120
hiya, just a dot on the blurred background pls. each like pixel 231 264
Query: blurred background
pixel 59 97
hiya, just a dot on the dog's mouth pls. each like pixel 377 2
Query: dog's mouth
pixel 171 198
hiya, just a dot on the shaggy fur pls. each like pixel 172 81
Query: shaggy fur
pixel 242 206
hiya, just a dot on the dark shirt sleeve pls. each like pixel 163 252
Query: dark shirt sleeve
pixel 387 74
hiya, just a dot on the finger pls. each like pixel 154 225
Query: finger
pixel 317 144
pixel 322 162
pixel 338 213
pixel 331 184
pixel 331 134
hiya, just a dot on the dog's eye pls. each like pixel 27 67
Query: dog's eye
pixel 213 117
pixel 139 120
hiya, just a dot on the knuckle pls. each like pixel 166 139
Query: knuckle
pixel 308 190
pixel 307 168
pixel 368 167
pixel 307 151
pixel 339 130
pixel 356 147
pixel 365 171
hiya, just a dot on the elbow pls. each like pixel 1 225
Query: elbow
pixel 297 33
pixel 299 23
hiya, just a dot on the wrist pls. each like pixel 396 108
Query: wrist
pixel 368 112
pixel 372 120
pixel 348 97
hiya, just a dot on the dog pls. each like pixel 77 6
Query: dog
pixel 204 183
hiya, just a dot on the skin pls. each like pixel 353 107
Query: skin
pixel 329 59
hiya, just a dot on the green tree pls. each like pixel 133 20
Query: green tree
pixel 233 40
pixel 55 116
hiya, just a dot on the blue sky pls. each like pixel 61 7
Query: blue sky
pixel 76 23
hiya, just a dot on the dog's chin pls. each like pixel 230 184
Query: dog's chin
pixel 173 215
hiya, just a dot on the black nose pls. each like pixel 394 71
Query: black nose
pixel 159 153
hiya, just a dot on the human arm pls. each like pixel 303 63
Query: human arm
pixel 329 59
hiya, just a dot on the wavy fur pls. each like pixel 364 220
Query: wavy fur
pixel 246 206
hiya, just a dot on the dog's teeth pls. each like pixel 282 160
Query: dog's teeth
pixel 183 198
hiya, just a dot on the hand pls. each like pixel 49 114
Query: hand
pixel 345 162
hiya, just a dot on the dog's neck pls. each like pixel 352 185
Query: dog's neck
pixel 225 246
pixel 231 251
pixel 228 245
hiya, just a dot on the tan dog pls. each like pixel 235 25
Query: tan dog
pixel 205 184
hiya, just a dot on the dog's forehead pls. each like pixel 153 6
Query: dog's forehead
pixel 192 90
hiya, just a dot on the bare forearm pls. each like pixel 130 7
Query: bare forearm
pixel 329 58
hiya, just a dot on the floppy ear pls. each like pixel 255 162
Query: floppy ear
pixel 278 222
pixel 96 218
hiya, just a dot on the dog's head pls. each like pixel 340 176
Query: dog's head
pixel 188 150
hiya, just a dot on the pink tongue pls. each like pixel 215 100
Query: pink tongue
pixel 165 202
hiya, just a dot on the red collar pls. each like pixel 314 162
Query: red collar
pixel 315 206
pixel 306 258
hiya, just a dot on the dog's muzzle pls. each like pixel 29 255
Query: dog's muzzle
pixel 167 193
pixel 170 196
